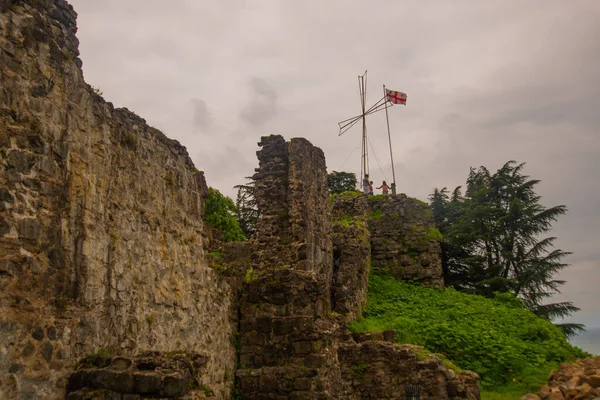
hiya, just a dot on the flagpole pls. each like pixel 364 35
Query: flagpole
pixel 390 140
pixel 362 85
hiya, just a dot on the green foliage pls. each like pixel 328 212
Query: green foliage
pixel 492 239
pixel 498 338
pixel 220 213
pixel 250 275
pixel 434 234
pixel 359 369
pixel 375 215
pixel 340 182
pixel 343 221
pixel 347 195
pixel 208 392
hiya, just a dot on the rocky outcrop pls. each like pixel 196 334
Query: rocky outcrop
pixel 580 380
pixel 101 233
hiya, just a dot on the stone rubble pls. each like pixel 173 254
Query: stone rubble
pixel 577 381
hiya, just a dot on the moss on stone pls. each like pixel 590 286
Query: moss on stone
pixel 375 215
pixel 250 275
pixel 434 234
pixel 359 369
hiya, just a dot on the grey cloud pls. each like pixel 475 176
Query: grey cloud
pixel 486 83
pixel 201 116
pixel 263 103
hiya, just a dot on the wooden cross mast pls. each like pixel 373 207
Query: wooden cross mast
pixel 346 124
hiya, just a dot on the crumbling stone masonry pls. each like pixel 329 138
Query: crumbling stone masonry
pixel 101 233
pixel 294 307
pixel 403 239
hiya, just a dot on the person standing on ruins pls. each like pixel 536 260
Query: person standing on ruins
pixel 384 188
pixel 371 188
pixel 365 184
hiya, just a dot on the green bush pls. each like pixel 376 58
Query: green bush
pixel 497 338
pixel 220 213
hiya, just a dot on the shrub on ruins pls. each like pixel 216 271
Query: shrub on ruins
pixel 220 213
pixel 340 182
pixel 499 338
pixel 493 240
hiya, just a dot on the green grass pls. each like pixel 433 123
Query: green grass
pixel 509 347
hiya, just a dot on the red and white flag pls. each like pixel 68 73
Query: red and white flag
pixel 395 97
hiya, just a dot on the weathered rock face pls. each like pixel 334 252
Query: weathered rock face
pixel 580 380
pixel 403 238
pixel 101 235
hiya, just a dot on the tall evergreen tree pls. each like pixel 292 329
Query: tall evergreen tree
pixel 493 239
pixel 247 209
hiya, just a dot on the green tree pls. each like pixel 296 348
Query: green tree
pixel 247 210
pixel 492 240
pixel 220 213
pixel 339 182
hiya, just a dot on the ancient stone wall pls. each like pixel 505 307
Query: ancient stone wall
pixel 375 368
pixel 285 299
pixel 294 307
pixel 352 263
pixel 101 235
pixel 403 238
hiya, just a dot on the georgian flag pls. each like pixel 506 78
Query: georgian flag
pixel 395 97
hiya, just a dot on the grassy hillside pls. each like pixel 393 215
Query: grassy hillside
pixel 509 347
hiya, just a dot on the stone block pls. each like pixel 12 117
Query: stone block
pixel 302 384
pixel 147 383
pixel 389 335
pixel 263 325
pixel 249 385
pixel 268 383
pixel 28 228
pixel 303 348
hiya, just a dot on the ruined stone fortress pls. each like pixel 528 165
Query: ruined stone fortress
pixel 113 287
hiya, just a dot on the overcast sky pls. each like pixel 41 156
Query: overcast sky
pixel 486 83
